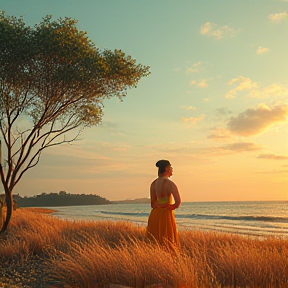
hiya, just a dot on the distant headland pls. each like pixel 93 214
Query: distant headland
pixel 133 201
pixel 66 199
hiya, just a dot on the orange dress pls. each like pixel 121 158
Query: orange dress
pixel 162 224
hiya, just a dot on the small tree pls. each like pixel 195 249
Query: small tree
pixel 52 81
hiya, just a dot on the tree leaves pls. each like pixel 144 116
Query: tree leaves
pixel 53 62
pixel 53 77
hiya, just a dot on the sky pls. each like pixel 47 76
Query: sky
pixel 215 104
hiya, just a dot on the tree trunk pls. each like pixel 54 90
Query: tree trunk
pixel 1 213
pixel 9 209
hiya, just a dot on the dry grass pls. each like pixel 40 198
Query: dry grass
pixel 40 249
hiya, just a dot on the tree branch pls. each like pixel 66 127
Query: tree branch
pixel 37 155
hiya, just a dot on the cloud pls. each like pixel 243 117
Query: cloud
pixel 213 30
pixel 223 111
pixel 232 148
pixel 257 120
pixel 272 156
pixel 193 120
pixel 262 50
pixel 273 172
pixel 219 134
pixel 201 84
pixel 254 90
pixel 196 68
pixel 274 90
pixel 188 107
pixel 276 18
pixel 241 147
pixel 243 83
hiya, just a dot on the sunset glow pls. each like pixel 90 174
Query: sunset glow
pixel 215 104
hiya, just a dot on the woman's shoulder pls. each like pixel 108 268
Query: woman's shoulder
pixel 167 180
pixel 153 183
pixel 170 183
pixel 162 182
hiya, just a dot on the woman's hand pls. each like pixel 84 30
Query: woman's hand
pixel 169 206
pixel 172 207
pixel 157 205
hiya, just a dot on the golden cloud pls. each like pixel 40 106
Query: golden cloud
pixel 241 147
pixel 213 30
pixel 276 18
pixel 193 120
pixel 257 120
pixel 271 156
pixel 188 107
pixel 220 134
pixel 274 90
pixel 262 50
pixel 201 84
pixel 243 83
pixel 195 68
pixel 273 172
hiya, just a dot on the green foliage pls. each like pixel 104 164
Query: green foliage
pixel 54 71
pixel 54 76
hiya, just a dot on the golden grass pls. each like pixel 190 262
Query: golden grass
pixel 86 254
pixel 39 210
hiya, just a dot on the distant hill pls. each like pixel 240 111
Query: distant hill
pixel 133 201
pixel 59 199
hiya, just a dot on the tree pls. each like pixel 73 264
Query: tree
pixel 53 80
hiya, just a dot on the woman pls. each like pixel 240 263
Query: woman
pixel 161 222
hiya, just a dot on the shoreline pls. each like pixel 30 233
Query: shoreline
pixel 249 231
pixel 39 210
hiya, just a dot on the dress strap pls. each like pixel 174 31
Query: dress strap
pixel 164 200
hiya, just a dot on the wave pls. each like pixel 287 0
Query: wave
pixel 206 217
pixel 235 218
pixel 135 214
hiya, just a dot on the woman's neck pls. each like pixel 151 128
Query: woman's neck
pixel 163 176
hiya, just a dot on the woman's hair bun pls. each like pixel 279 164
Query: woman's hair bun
pixel 162 163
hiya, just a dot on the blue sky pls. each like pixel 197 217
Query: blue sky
pixel 215 103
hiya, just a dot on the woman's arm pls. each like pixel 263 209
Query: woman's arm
pixel 176 196
pixel 153 197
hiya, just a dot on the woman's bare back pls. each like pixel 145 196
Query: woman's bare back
pixel 162 187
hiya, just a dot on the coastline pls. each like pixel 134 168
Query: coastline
pixel 257 219
pixel 52 252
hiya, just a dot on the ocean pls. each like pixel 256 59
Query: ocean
pixel 247 218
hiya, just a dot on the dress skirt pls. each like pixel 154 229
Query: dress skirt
pixel 162 226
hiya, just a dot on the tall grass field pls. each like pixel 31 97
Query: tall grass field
pixel 40 250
